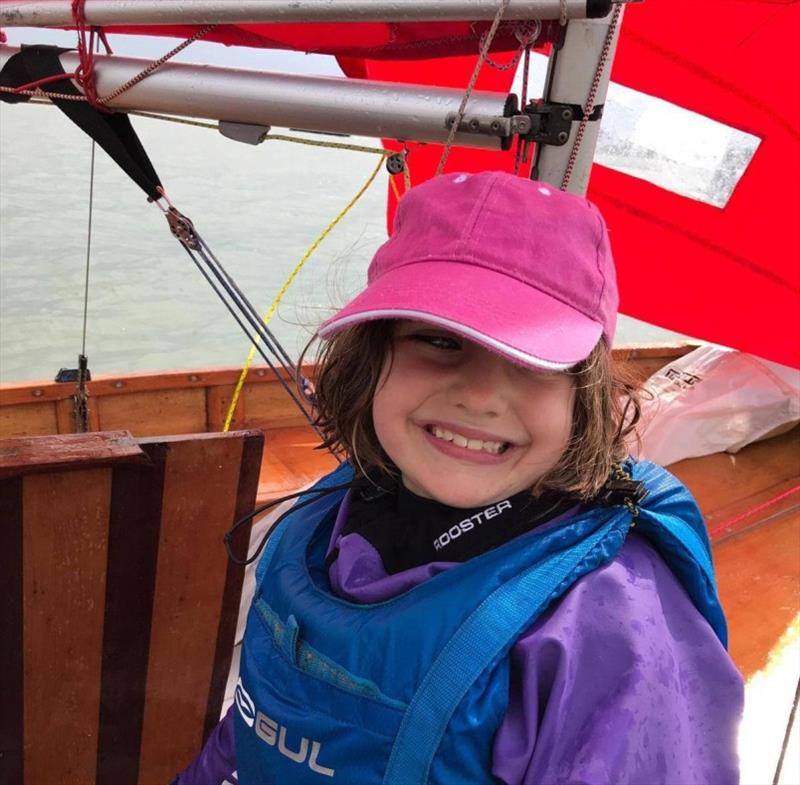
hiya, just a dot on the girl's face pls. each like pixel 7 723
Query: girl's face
pixel 463 425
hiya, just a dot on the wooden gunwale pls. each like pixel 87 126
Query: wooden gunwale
pixel 146 381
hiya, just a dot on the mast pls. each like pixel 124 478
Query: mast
pixel 580 68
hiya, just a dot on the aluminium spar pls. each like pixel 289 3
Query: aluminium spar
pixel 38 13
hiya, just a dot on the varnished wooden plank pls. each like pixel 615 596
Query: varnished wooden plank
pixel 11 664
pixel 234 575
pixel 12 393
pixel 218 401
pixel 760 507
pixel 134 528
pixel 145 414
pixel 172 380
pixel 268 406
pixel 28 419
pixel 115 384
pixel 290 462
pixel 758 575
pixel 28 454
pixel 65 524
pixel 198 507
pixel 720 480
pixel 65 415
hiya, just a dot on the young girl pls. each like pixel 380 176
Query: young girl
pixel 486 590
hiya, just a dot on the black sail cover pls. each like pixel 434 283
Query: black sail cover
pixel 112 131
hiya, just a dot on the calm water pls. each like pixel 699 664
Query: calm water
pixel 149 309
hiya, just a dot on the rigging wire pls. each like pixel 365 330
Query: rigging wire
pixel 88 249
pixel 183 229
pixel 787 736
pixel 81 397
pixel 292 275
pixel 484 53
pixel 246 330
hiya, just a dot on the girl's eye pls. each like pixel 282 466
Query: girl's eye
pixel 442 342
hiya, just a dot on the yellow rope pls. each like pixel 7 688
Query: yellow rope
pixel 395 189
pixel 359 148
pixel 274 306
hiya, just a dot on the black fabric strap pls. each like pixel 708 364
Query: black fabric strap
pixel 113 132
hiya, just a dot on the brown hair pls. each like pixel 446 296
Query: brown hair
pixel 348 367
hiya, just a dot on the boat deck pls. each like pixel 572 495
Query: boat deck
pixel 750 500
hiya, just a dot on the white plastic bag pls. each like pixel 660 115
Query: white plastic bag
pixel 713 400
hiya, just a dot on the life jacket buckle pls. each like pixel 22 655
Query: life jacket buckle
pixel 621 488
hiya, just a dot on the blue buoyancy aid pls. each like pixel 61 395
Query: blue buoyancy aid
pixel 413 689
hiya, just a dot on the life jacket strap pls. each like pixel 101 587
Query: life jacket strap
pixel 487 633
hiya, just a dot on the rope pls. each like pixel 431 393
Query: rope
pixel 276 302
pixel 521 145
pixel 484 53
pixel 359 148
pixel 752 511
pixel 406 172
pixel 84 75
pixel 593 90
pixel 526 33
pixel 395 189
pixel 36 92
pixel 155 65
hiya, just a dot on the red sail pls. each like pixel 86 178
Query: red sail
pixel 729 275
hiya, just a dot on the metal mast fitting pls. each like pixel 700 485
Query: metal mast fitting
pixel 315 103
pixel 581 66
pixel 42 13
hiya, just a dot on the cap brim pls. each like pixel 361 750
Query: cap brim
pixel 523 324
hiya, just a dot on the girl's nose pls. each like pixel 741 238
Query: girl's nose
pixel 480 386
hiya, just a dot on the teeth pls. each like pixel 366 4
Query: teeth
pixel 495 448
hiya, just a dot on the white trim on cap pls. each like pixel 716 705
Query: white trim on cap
pixel 456 327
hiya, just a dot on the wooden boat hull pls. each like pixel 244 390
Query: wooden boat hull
pixel 750 500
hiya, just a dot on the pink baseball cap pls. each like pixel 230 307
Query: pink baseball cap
pixel 510 263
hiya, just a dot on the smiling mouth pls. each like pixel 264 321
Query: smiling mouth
pixel 478 445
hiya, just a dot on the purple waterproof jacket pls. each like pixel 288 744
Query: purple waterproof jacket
pixel 620 681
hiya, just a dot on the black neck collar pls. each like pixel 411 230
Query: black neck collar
pixel 408 530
